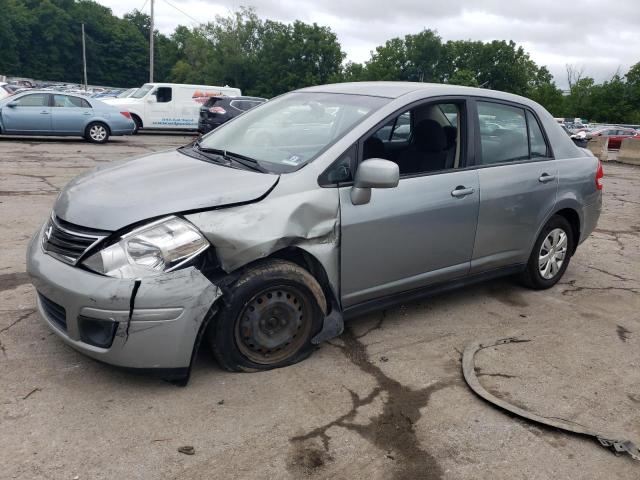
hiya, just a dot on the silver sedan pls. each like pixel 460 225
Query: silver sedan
pixel 50 113
pixel 312 208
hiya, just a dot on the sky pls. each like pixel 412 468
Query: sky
pixel 599 37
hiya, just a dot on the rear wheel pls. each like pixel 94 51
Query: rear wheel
pixel 551 254
pixel 97 132
pixel 272 313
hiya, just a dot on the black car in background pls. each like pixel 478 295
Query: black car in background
pixel 218 110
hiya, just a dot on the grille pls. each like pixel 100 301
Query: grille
pixel 54 312
pixel 68 242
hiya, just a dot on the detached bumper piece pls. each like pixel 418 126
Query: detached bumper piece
pixel 612 441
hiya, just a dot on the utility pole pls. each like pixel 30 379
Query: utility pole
pixel 84 60
pixel 151 47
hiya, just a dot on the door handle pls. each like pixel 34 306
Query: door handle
pixel 461 191
pixel 545 177
pixel 86 113
pixel 44 112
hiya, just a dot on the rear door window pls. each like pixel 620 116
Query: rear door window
pixel 69 102
pixel 536 139
pixel 240 105
pixel 503 133
pixel 509 134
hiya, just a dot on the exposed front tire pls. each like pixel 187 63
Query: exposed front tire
pixel 551 254
pixel 272 312
pixel 97 132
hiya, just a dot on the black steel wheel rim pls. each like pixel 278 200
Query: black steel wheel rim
pixel 273 325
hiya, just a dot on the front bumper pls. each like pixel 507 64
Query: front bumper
pixel 158 329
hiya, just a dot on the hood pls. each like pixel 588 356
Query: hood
pixel 119 194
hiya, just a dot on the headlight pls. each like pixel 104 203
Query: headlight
pixel 158 247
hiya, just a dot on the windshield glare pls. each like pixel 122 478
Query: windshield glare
pixel 142 91
pixel 285 133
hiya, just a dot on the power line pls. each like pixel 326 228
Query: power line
pixel 144 5
pixel 198 22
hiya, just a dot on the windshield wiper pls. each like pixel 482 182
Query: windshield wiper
pixel 215 158
pixel 243 160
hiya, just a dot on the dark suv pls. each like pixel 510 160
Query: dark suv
pixel 218 110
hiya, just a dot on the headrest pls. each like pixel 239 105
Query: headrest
pixel 429 136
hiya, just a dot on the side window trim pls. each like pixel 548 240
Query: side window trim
pixel 475 121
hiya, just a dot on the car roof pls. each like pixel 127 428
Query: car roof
pixel 398 89
pixel 56 92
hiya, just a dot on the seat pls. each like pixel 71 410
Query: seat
pixel 373 148
pixel 428 149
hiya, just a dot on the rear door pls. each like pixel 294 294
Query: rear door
pixel 70 114
pixel 518 184
pixel 31 114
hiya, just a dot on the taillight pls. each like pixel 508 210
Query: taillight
pixel 599 176
pixel 126 114
pixel 217 110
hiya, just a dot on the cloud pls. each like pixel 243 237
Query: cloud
pixel 600 35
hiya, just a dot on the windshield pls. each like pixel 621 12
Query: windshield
pixel 126 93
pixel 285 133
pixel 142 91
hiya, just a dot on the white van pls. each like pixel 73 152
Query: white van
pixel 169 105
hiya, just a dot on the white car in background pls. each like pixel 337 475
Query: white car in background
pixel 5 90
pixel 169 106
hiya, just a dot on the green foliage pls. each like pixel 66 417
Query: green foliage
pixel 41 39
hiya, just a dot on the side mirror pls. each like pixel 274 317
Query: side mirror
pixel 151 98
pixel 373 173
pixel 13 104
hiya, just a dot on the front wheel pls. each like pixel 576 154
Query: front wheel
pixel 551 254
pixel 97 132
pixel 269 318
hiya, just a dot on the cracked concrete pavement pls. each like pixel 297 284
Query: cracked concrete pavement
pixel 386 400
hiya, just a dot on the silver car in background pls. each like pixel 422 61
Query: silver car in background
pixel 317 206
pixel 62 114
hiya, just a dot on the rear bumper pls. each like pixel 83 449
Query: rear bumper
pixel 590 217
pixel 158 332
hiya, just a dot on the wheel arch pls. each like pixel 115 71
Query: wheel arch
pixel 134 115
pixel 572 216
pixel 309 262
pixel 97 120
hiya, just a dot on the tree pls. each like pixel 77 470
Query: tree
pixel 463 77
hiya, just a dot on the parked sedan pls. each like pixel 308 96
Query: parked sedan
pixel 616 135
pixel 261 238
pixel 218 110
pixel 50 113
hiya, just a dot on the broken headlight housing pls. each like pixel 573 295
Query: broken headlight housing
pixel 160 246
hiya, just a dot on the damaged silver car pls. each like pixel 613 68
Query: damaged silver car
pixel 319 205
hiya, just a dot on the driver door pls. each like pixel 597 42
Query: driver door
pixel 31 114
pixel 414 235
